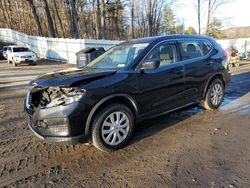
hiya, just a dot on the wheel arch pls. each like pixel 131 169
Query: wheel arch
pixel 125 99
pixel 211 79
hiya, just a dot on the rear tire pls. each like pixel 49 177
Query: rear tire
pixel 112 127
pixel 214 95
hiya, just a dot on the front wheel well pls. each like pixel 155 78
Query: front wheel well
pixel 130 103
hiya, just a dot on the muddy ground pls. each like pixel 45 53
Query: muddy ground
pixel 188 148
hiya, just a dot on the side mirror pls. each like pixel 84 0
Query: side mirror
pixel 150 64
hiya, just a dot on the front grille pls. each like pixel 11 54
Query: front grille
pixel 26 56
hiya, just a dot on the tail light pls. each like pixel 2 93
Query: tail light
pixel 225 61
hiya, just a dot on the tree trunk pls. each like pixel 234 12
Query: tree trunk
pixel 4 14
pixel 132 20
pixel 38 23
pixel 208 16
pixel 73 19
pixel 7 14
pixel 116 19
pixel 59 18
pixel 150 19
pixel 49 19
pixel 199 15
pixel 9 9
pixel 103 23
pixel 98 20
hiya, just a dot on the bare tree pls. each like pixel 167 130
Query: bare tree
pixel 98 19
pixel 199 15
pixel 213 5
pixel 38 23
pixel 132 19
pixel 59 18
pixel 49 19
pixel 103 21
pixel 5 16
pixel 154 14
pixel 73 18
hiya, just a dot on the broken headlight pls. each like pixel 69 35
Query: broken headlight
pixel 66 99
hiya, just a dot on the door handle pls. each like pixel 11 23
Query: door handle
pixel 178 71
pixel 209 62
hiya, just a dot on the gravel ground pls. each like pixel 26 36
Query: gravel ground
pixel 188 148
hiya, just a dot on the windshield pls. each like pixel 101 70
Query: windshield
pixel 20 50
pixel 118 57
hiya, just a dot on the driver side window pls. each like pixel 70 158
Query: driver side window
pixel 165 52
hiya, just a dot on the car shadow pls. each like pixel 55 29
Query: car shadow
pixel 238 87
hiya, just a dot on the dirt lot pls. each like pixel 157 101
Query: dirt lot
pixel 187 148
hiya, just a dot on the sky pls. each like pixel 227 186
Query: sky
pixel 235 13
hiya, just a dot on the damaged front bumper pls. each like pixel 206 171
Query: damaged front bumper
pixel 63 123
pixel 64 140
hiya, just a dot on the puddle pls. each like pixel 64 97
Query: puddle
pixel 245 111
pixel 229 99
pixel 240 104
pixel 188 111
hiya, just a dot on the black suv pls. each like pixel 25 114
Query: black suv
pixel 131 82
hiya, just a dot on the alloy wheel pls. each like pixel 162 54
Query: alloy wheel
pixel 216 94
pixel 115 128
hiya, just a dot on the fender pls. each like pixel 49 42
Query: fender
pixel 97 105
pixel 210 78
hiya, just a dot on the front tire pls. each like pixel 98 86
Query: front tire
pixel 214 95
pixel 112 127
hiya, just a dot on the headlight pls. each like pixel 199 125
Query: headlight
pixel 65 99
pixel 34 56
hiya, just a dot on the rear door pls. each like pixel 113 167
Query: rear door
pixel 160 89
pixel 195 55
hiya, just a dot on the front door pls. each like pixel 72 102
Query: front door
pixel 161 88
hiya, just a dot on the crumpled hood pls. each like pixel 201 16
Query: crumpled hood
pixel 70 78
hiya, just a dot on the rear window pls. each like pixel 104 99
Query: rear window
pixel 20 49
pixel 191 49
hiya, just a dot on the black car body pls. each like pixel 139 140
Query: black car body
pixel 66 106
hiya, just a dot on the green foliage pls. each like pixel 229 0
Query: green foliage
pixel 214 29
pixel 168 24
pixel 191 31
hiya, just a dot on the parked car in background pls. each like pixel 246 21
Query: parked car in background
pixel 1 53
pixel 20 55
pixel 131 82
pixel 4 52
pixel 244 55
